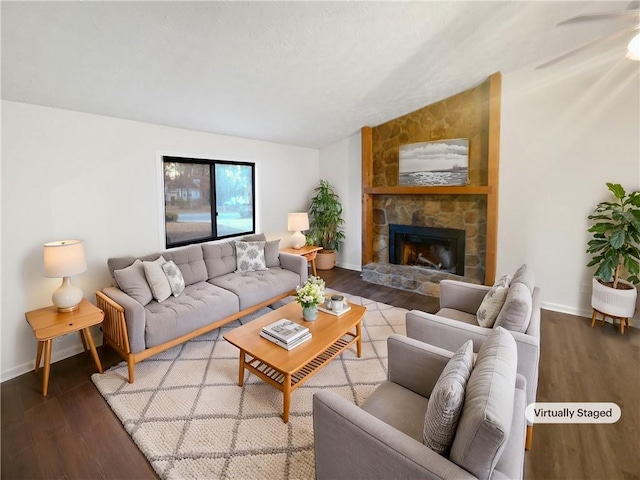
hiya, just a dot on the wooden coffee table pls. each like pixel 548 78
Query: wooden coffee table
pixel 285 369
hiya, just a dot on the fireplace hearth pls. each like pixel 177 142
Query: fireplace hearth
pixel 430 248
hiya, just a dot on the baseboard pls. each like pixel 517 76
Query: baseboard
pixel 349 266
pixel 581 312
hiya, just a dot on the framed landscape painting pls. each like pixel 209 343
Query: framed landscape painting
pixel 443 162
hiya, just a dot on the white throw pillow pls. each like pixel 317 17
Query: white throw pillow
pixel 174 276
pixel 250 256
pixel 446 401
pixel 157 279
pixel 493 302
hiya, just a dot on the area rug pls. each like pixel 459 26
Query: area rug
pixel 190 418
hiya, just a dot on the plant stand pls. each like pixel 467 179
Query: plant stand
pixel 623 320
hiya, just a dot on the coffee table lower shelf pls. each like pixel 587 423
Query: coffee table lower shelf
pixel 288 382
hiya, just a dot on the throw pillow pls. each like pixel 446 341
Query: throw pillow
pixel 446 400
pixel 174 276
pixel 492 302
pixel 525 275
pixel 133 282
pixel 272 253
pixel 157 279
pixel 250 256
pixel 516 312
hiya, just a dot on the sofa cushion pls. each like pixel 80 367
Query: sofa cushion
pixel 190 261
pixel 525 275
pixel 493 302
pixel 132 281
pixel 516 311
pixel 458 315
pixel 446 400
pixel 174 276
pixel 250 256
pixel 220 258
pixel 253 288
pixel 201 304
pixel 487 413
pixel 156 279
pixel 272 253
pixel 399 407
pixel 255 237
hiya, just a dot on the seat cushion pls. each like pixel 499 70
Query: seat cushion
pixel 199 304
pixel 399 407
pixel 487 413
pixel 253 288
pixel 458 315
pixel 516 311
pixel 446 400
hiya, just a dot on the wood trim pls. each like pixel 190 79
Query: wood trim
pixel 367 199
pixel 495 94
pixel 454 190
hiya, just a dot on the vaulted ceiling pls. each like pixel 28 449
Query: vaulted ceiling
pixel 300 73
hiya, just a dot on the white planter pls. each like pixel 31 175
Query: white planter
pixel 614 302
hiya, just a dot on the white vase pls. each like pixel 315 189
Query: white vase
pixel 613 301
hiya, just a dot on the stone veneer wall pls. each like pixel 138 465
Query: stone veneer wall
pixel 462 116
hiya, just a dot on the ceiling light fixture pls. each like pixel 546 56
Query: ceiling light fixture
pixel 633 48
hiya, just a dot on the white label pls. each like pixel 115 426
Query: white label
pixel 573 412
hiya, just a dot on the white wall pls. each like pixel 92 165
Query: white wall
pixel 341 165
pixel 73 175
pixel 565 132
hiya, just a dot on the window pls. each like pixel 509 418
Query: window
pixel 207 199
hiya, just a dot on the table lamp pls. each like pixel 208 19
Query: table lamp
pixel 297 222
pixel 64 259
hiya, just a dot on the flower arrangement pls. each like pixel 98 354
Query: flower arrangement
pixel 311 294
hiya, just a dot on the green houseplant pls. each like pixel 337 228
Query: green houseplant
pixel 325 213
pixel 615 248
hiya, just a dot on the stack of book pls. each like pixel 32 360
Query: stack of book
pixel 286 333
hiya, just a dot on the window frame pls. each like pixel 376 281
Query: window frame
pixel 212 198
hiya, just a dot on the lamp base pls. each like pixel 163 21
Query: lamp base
pixel 298 240
pixel 67 296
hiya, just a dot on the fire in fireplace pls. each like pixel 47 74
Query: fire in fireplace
pixel 427 247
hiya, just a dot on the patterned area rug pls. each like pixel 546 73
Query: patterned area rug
pixel 190 418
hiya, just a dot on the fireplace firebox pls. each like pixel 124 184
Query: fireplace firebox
pixel 441 249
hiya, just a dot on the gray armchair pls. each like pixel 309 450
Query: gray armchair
pixel 384 438
pixel 455 323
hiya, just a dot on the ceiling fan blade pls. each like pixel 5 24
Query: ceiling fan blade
pixel 606 38
pixel 601 16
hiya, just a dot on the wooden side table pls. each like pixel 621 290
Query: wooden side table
pixel 307 251
pixel 48 324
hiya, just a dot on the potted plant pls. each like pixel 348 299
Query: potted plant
pixel 325 214
pixel 309 296
pixel 614 247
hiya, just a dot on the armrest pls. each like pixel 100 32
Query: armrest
pixel 295 263
pixel 462 296
pixel 415 365
pixel 134 315
pixel 351 443
pixel 451 334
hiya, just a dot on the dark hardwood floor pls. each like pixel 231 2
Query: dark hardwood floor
pixel 72 433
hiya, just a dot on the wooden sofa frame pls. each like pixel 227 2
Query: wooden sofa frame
pixel 115 335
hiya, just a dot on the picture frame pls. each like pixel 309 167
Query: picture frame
pixel 435 163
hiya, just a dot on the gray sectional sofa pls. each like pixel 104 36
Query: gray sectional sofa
pixel 138 326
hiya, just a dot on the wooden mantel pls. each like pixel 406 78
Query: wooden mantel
pixel 490 190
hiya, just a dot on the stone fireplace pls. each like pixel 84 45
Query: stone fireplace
pixel 430 248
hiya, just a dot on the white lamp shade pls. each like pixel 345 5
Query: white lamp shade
pixel 298 221
pixel 64 258
pixel 633 48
